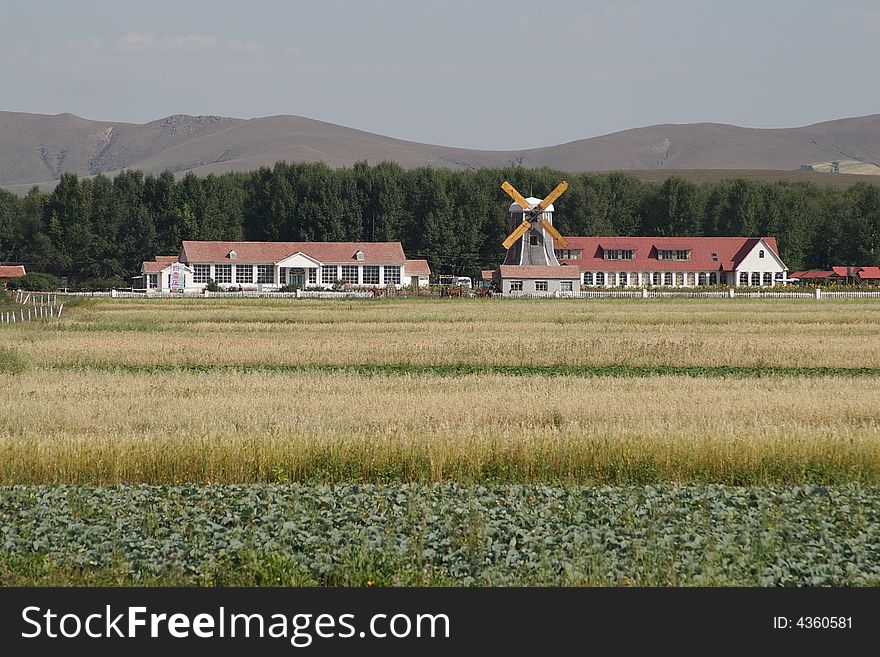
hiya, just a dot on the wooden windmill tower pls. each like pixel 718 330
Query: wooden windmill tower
pixel 530 266
pixel 531 224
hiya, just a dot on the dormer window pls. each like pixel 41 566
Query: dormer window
pixel 359 255
pixel 761 253
pixel 714 256
pixel 619 254
pixel 533 240
pixel 673 254
pixel 232 255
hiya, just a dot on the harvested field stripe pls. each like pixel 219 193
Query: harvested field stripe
pixel 632 371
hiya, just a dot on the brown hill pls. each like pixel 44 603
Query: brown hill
pixel 37 149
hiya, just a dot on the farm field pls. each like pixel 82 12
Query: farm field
pixel 441 534
pixel 164 410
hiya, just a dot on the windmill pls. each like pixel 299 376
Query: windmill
pixel 533 234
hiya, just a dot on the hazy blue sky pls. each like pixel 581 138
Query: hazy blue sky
pixel 477 74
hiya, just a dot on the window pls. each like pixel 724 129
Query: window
pixel 673 254
pixel 232 255
pixel 610 278
pixel 655 278
pixel 516 286
pixel 152 281
pixel 313 275
pixel 371 274
pixel 244 274
pixel 588 278
pixel 713 278
pixel 744 278
pixel 768 278
pixel 756 278
pixel 265 274
pixel 359 255
pixel 282 275
pixel 568 254
pixel 540 286
pixel 714 256
pixel 679 278
pixel 667 278
pixel 623 279
pixel 701 278
pixel 328 274
pixel 201 273
pixel 566 286
pixel 780 276
pixel 349 274
pixel 533 240
pixel 690 278
pixel 761 253
pixel 600 278
pixel 620 254
pixel 392 275
pixel 222 273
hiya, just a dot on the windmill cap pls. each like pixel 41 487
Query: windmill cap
pixel 515 207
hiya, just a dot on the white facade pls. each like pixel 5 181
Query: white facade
pixel 761 267
pixel 546 287
pixel 273 276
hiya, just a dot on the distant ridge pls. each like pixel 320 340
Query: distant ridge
pixel 37 148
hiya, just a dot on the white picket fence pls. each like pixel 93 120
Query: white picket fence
pixel 700 294
pixel 33 306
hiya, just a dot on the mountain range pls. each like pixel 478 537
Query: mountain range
pixel 37 148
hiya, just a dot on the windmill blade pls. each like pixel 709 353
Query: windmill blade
pixel 552 196
pixel 516 234
pixel 557 236
pixel 515 195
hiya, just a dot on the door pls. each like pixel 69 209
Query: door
pixel 296 277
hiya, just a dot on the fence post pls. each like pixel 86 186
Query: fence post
pixel 818 293
pixel 644 293
pixel 731 293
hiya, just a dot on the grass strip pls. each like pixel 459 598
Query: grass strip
pixel 616 370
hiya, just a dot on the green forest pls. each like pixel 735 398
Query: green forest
pixel 102 229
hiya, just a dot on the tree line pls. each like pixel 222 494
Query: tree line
pixel 102 229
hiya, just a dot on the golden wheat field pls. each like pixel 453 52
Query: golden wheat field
pixel 593 391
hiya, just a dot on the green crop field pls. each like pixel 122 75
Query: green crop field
pixel 665 442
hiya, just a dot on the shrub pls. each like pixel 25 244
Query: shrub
pixel 212 286
pixel 35 282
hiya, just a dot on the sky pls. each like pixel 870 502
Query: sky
pixel 475 74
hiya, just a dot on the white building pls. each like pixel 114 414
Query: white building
pixel 272 265
pixel 675 261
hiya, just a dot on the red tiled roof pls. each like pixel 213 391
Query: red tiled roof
pixel 869 273
pixel 152 267
pixel 166 259
pixel 811 274
pixel 11 271
pixel 617 243
pixel 538 271
pixel 157 266
pixel 730 252
pixel 271 252
pixel 487 274
pixel 416 268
